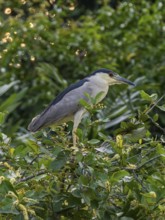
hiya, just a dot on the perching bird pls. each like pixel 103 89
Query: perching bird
pixel 66 106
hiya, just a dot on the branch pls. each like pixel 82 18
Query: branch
pixel 154 158
pixel 142 165
pixel 155 104
pixel 156 124
pixel 34 159
pixel 32 176
pixel 139 181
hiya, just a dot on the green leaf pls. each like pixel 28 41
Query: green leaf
pixel 151 98
pixel 7 206
pixel 154 96
pixel 94 141
pixel 161 107
pixel 105 149
pixel 98 97
pixel 6 87
pixel 59 161
pixel 2 117
pixel 83 180
pixel 56 150
pixel 117 176
pixel 34 146
pixel 135 135
pixel 12 102
pixel 21 150
pixel 88 194
pixel 84 103
pixel 6 186
pixel 156 117
pixel 145 96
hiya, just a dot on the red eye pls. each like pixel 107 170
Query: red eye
pixel 111 74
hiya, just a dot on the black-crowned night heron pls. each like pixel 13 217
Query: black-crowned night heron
pixel 66 106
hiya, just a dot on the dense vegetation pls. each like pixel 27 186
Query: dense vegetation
pixel 117 170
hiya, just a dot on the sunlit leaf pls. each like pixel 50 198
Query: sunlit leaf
pixel 99 97
pixel 6 87
pixel 34 146
pixel 161 107
pixel 7 206
pixel 145 96
pixel 12 102
pixel 118 176
pixel 94 141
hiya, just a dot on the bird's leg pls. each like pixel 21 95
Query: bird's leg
pixel 77 120
pixel 75 138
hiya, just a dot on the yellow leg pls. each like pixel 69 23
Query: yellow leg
pixel 77 120
pixel 75 138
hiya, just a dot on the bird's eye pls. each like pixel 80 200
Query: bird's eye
pixel 111 74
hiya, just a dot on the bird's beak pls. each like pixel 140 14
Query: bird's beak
pixel 123 80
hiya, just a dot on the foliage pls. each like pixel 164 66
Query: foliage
pixel 117 170
pixel 104 177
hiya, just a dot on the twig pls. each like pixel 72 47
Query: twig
pixel 33 176
pixel 154 158
pixel 33 160
pixel 144 156
pixel 155 104
pixel 138 168
pixel 138 180
pixel 156 124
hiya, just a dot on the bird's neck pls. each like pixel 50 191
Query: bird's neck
pixel 99 85
pixel 100 82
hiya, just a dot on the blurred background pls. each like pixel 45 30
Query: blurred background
pixel 47 45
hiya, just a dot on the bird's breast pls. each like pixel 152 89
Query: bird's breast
pixel 102 89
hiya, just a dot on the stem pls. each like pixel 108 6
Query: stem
pixel 156 124
pixel 32 176
pixel 155 104
pixel 138 168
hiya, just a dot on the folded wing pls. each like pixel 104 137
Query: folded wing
pixel 63 107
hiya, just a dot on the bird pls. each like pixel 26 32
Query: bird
pixel 67 107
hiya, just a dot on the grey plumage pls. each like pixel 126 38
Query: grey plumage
pixel 66 106
pixel 62 108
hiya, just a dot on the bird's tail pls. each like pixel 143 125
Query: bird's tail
pixel 36 124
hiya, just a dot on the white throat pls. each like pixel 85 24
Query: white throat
pixel 99 80
pixel 98 84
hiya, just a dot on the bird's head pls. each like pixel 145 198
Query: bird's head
pixel 111 77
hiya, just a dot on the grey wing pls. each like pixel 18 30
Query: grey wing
pixel 65 108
